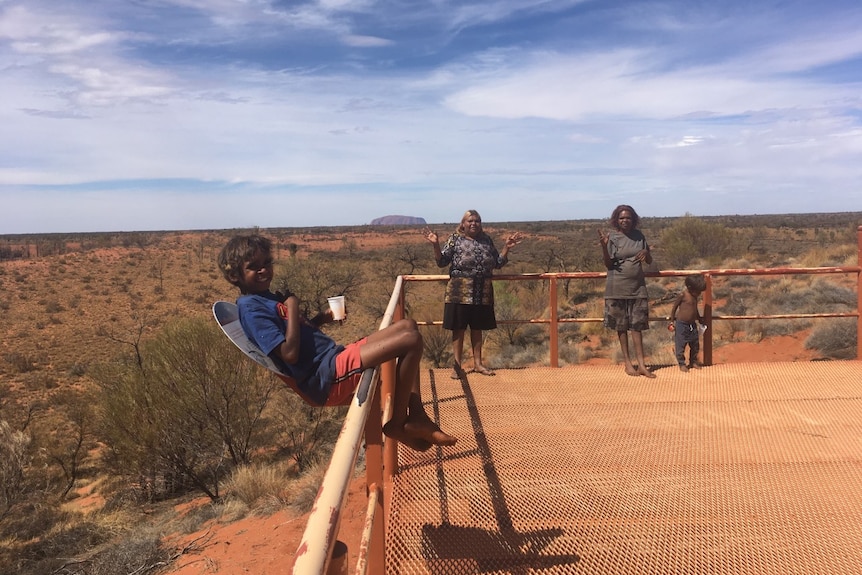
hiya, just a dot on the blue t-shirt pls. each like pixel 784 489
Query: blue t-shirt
pixel 261 318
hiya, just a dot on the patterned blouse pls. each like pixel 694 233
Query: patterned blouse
pixel 471 264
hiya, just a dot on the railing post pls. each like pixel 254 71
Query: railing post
pixel 374 471
pixel 859 294
pixel 707 318
pixel 554 344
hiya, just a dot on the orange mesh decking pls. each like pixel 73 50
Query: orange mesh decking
pixel 732 469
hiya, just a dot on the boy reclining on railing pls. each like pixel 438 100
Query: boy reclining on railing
pixel 326 373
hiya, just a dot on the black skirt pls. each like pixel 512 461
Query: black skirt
pixel 461 316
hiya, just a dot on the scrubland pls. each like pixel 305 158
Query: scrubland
pixel 119 397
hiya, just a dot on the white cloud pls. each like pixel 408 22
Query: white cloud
pixel 396 108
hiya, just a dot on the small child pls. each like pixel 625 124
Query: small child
pixel 684 317
pixel 326 373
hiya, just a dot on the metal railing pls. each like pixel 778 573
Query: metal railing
pixel 313 556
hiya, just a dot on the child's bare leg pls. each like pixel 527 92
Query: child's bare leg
pixel 624 347
pixel 409 424
pixel 638 340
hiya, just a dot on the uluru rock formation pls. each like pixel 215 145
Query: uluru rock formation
pixel 398 221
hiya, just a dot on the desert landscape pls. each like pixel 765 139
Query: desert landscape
pixel 84 313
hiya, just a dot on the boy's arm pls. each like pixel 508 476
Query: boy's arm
pixel 289 348
pixel 321 318
pixel 675 306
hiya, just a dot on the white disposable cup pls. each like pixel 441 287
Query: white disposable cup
pixel 702 327
pixel 336 304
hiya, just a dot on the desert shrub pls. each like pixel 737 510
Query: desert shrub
pixel 828 293
pixel 570 353
pixel 38 381
pixel 757 329
pixel 835 338
pixel 734 305
pixel 514 356
pixel 258 485
pixel 304 490
pixel 14 460
pixel 303 432
pixel 438 345
pixel 78 370
pixel 740 282
pixel 56 548
pixel 20 362
pixel 140 552
pixel 190 410
pixel 656 291
pixel 690 238
pixel 53 307
pixel 834 255
pixel 525 336
pixel 315 278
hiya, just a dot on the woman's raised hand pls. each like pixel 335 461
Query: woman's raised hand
pixel 430 236
pixel 514 239
pixel 603 237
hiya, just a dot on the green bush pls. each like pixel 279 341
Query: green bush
pixel 192 409
pixel 690 238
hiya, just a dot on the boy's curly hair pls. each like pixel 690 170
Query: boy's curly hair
pixel 696 283
pixel 239 250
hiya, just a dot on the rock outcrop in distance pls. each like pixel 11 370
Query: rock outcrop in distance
pixel 398 221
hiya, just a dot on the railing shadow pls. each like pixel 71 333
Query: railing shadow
pixel 449 548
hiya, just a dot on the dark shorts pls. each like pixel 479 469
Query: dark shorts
pixel 459 316
pixel 627 314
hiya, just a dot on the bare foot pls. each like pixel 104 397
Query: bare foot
pixel 457 372
pixel 423 428
pixel 483 370
pixel 646 373
pixel 695 365
pixel 683 368
pixel 632 371
pixel 415 443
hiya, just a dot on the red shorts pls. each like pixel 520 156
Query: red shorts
pixel 348 371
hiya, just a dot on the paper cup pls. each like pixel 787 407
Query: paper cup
pixel 336 304
pixel 702 328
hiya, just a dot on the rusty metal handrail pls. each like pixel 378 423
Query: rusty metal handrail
pixel 314 553
pixel 708 315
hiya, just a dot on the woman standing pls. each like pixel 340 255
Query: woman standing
pixel 624 251
pixel 472 259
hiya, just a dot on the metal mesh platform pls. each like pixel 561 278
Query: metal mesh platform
pixel 732 469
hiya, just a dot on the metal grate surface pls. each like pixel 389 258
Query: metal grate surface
pixel 732 469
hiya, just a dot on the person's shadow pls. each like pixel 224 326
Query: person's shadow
pixel 449 548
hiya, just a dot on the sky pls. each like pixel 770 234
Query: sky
pixel 136 115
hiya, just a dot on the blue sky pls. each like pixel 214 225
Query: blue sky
pixel 125 115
